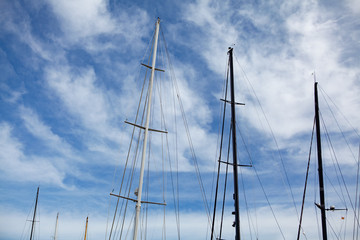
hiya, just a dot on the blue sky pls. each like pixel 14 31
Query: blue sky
pixel 69 72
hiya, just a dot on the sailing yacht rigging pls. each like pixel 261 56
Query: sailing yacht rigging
pixel 139 176
pixel 322 206
pixel 235 165
pixel 320 166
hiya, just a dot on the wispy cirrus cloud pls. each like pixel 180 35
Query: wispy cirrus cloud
pixel 91 25
pixel 278 46
pixel 84 99
pixel 77 58
pixel 43 132
pixel 19 167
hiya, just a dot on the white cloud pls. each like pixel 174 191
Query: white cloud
pixel 83 18
pixel 279 55
pixel 78 91
pixel 91 109
pixel 277 48
pixel 17 166
pixel 36 127
pixel 86 22
pixel 353 6
pixel 15 20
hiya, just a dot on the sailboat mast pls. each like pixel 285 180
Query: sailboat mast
pixel 56 226
pixel 235 165
pixel 320 167
pixel 33 221
pixel 138 203
pixel 86 225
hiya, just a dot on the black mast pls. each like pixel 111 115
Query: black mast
pixel 233 127
pixel 33 221
pixel 321 178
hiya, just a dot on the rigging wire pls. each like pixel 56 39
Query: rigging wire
pixel 278 150
pixel 332 229
pixel 249 155
pixel 243 182
pixel 273 137
pixel 342 176
pixel 192 151
pixel 246 202
pixel 225 186
pixel 338 109
pixel 129 171
pixel 221 122
pixel 175 195
pixel 338 125
pixel 342 197
pixel 30 211
pixel 306 179
pixel 130 146
pixel 268 202
pixel 262 187
pixel 338 171
pixel 132 170
pixel 220 153
pixel 356 211
pixel 316 190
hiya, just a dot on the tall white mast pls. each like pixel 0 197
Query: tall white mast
pixel 138 203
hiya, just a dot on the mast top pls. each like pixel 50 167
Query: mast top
pixel 314 77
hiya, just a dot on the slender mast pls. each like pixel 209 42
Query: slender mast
pixel 87 218
pixel 320 167
pixel 56 226
pixel 233 129
pixel 33 221
pixel 138 203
